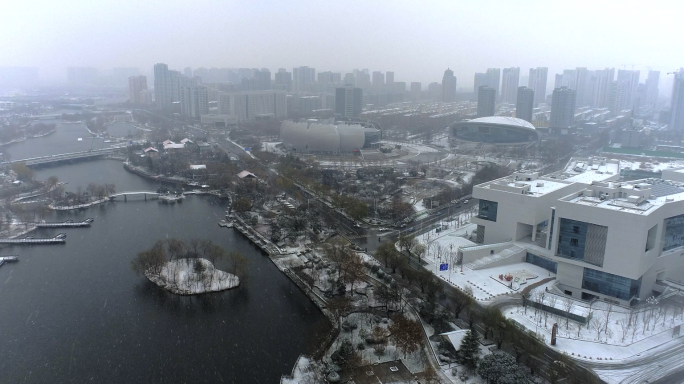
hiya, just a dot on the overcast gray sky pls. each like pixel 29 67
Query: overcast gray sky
pixel 415 39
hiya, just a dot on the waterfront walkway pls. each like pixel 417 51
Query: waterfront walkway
pixel 59 239
pixel 66 224
pixel 5 259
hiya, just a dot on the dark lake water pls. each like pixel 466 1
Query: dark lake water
pixel 65 139
pixel 76 313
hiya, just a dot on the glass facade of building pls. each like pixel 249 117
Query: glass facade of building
pixel 651 238
pixel 487 210
pixel 582 241
pixel 610 285
pixel 674 232
pixel 553 222
pixel 542 262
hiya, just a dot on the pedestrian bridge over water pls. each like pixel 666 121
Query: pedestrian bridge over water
pixel 51 159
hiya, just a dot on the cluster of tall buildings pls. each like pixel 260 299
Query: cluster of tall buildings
pixel 191 96
pixel 251 93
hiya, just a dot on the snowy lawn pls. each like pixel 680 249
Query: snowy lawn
pixel 485 283
pixel 609 334
pixel 192 276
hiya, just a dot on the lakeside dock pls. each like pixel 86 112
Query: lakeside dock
pixel 66 224
pixel 59 239
pixel 10 258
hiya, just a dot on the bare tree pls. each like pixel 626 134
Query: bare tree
pixel 597 324
pixel 567 304
pixel 624 327
pixel 657 314
pixel 635 327
pixel 553 299
pixel 645 321
pixel 609 311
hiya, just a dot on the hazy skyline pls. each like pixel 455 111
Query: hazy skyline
pixel 417 41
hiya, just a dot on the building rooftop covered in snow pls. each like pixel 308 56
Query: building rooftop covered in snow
pixel 605 238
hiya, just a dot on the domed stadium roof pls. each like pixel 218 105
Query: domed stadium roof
pixel 504 120
pixel 498 130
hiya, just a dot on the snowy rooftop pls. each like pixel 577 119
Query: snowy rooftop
pixel 642 196
pixel 534 187
pixel 588 170
pixel 677 166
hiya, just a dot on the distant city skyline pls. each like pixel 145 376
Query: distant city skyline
pixel 358 35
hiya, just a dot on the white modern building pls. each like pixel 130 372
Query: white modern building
pixel 618 241
pixel 332 138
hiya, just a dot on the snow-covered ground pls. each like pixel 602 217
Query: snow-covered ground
pixel 271 147
pixel 621 341
pixel 192 276
pixel 485 284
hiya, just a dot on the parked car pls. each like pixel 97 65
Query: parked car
pixel 465 201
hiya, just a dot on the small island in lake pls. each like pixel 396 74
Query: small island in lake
pixel 188 269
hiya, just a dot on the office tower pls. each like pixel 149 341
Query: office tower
pixel 599 84
pixel 494 79
pixel 163 87
pixel 677 107
pixel 652 87
pixel 435 91
pixel 308 104
pixel 448 86
pixel 524 104
pixel 302 77
pixel 187 72
pixel 262 79
pixel 248 106
pixel 349 79
pixel 203 74
pixel 566 79
pixel 563 108
pixel 378 81
pixel 480 80
pixel 136 85
pixel 581 84
pixel 82 76
pixel 194 98
pixel 389 81
pixel 416 88
pixel 597 88
pixel 363 79
pixel 283 80
pixel 631 78
pixel 537 83
pixel 486 101
pixel 325 77
pixel 509 84
pixel 348 101
pixel 619 96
